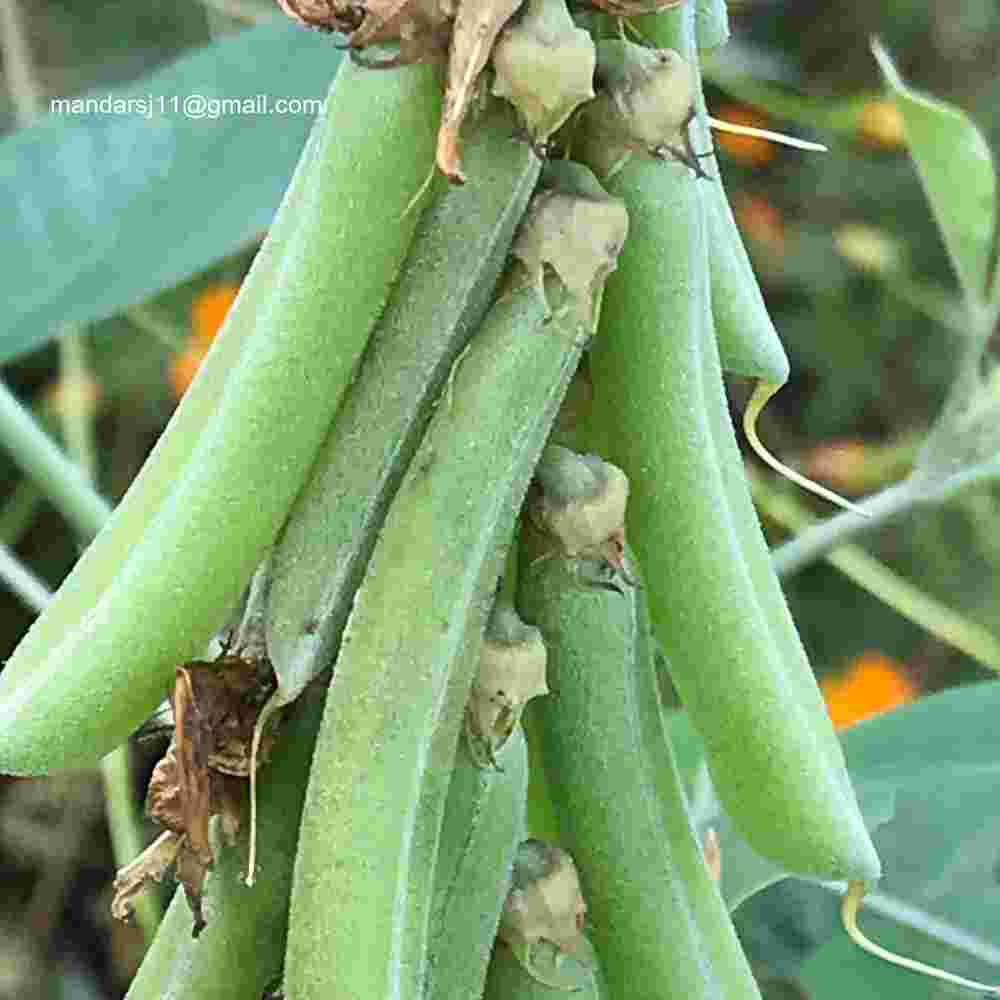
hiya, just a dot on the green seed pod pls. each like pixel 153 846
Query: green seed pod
pixel 106 554
pixel 511 673
pixel 580 503
pixel 544 66
pixel 360 904
pixel 579 237
pixel 242 947
pixel 644 103
pixel 620 807
pixel 482 827
pixel 232 496
pixel 460 245
pixel 762 726
pixel 748 342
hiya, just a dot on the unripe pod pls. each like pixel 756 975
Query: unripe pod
pixel 617 795
pixel 544 66
pixel 482 827
pixel 757 708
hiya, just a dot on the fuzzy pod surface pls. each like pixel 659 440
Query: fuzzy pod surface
pixel 241 948
pixel 198 552
pixel 767 745
pixel 97 566
pixel 482 827
pixel 748 342
pixel 652 905
pixel 362 888
pixel 445 287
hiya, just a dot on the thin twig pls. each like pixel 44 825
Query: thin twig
pixel 889 587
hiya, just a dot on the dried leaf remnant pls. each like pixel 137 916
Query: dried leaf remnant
pixel 201 775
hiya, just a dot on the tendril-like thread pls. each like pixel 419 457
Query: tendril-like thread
pixel 849 915
pixel 759 399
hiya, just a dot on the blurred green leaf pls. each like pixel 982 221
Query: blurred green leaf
pixel 112 208
pixel 958 176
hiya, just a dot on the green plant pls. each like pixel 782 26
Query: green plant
pixel 364 431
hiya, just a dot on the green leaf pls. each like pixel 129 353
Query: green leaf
pixel 111 208
pixel 958 176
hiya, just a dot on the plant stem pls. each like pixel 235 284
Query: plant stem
pixel 21 581
pixel 817 538
pixel 43 461
pixel 145 318
pixel 76 412
pixel 889 587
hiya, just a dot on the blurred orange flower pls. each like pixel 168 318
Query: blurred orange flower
pixel 208 312
pixel 760 221
pixel 880 125
pixel 873 683
pixel 747 149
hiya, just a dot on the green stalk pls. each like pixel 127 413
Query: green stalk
pixel 254 453
pixel 45 464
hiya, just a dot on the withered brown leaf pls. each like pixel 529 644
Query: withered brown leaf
pixel 477 25
pixel 215 708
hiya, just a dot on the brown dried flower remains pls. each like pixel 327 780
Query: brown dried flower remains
pixel 201 775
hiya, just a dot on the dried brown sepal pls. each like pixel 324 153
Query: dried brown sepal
pixel 421 28
pixel 477 24
pixel 578 502
pixel 578 237
pixel 544 66
pixel 543 916
pixel 626 8
pixel 644 105
pixel 512 664
pixel 150 866
pixel 324 15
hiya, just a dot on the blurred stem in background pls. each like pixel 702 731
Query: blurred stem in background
pixel 868 573
pixel 68 485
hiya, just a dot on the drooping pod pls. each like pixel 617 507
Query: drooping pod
pixel 544 66
pixel 748 342
pixel 621 813
pixel 66 704
pixel 482 827
pixel 360 903
pixel 757 708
